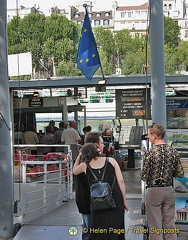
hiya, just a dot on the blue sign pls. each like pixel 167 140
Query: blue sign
pixel 177 104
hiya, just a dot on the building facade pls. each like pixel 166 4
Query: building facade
pixel 133 18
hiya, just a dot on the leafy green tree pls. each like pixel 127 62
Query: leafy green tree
pixel 61 37
pixel 107 67
pixel 68 69
pixel 54 41
pixel 170 60
pixel 171 32
pixel 14 40
pixel 59 27
pixel 106 46
pixel 131 52
pixel 50 40
pixel 26 35
pixel 57 51
pixel 123 42
pixel 134 63
pixel 181 54
pixel 105 41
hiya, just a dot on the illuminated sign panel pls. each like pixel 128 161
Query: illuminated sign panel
pixel 131 103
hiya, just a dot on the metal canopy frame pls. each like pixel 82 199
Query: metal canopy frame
pixel 67 82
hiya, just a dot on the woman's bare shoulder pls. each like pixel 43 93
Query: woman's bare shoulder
pixel 112 161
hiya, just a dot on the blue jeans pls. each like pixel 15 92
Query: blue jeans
pixel 85 226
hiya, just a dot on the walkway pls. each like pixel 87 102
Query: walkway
pixel 55 225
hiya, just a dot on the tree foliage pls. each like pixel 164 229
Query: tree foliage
pixel 51 40
pixel 170 60
pixel 171 32
pixel 54 41
pixel 182 52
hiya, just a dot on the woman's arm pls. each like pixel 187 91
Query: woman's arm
pixel 79 167
pixel 120 181
pixel 77 162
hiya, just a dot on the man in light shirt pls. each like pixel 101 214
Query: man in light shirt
pixel 70 136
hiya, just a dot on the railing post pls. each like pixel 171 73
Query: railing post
pixel 60 182
pixel 44 187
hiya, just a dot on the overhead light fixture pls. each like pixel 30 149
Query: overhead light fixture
pixel 102 82
pixel 35 94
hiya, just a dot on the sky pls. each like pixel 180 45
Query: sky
pixel 46 4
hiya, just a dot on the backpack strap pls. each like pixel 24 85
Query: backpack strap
pixel 106 161
pixel 90 169
pixel 95 177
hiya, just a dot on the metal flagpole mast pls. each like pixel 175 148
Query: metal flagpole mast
pixel 6 175
pixel 157 62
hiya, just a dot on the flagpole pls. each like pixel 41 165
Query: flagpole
pixel 103 77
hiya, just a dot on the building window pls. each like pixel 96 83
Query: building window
pixel 129 14
pixel 77 15
pixel 98 14
pixel 107 14
pixel 122 14
pixel 90 14
pixel 97 22
pixel 144 13
pixel 106 22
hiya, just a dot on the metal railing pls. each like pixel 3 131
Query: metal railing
pixel 41 182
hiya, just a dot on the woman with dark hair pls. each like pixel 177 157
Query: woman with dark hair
pixel 110 222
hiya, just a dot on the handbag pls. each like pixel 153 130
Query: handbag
pixel 101 192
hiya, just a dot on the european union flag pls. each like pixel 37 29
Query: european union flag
pixel 88 60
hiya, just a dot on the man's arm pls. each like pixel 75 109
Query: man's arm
pixel 145 169
pixel 178 171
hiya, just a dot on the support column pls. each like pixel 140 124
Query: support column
pixel 157 62
pixel 6 160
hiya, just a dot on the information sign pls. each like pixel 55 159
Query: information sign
pixel 35 102
pixel 131 103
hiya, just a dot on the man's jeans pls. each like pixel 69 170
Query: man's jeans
pixel 85 226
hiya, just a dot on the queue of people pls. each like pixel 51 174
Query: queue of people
pixel 67 134
pixel 161 164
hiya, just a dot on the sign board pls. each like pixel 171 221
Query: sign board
pixel 173 104
pixel 20 64
pixel 131 103
pixel 181 190
pixel 35 102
